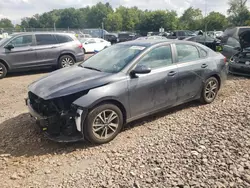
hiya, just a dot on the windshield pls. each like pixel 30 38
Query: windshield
pixel 3 40
pixel 113 59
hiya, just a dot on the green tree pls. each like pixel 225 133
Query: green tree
pixel 238 12
pixel 215 21
pixel 68 18
pixel 113 22
pixel 6 23
pixel 97 14
pixel 191 19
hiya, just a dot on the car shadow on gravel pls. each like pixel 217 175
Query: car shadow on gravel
pixel 20 135
pixel 30 72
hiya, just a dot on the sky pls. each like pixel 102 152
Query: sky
pixel 17 9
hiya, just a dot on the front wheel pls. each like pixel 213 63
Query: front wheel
pixel 209 91
pixel 66 61
pixel 3 70
pixel 103 124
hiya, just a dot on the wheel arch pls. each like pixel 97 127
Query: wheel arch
pixel 5 64
pixel 114 102
pixel 217 77
pixel 67 53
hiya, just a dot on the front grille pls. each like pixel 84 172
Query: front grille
pixel 41 106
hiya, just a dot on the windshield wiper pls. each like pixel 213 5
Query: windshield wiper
pixel 92 68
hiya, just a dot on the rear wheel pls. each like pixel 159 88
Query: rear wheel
pixel 103 124
pixel 210 90
pixel 3 70
pixel 66 61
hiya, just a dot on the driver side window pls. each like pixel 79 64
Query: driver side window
pixel 22 41
pixel 157 58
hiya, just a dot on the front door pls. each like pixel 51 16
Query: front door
pixel 158 89
pixel 47 49
pixel 23 54
pixel 192 68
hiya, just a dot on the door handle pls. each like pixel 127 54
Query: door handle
pixel 31 49
pixel 172 73
pixel 204 66
pixel 53 47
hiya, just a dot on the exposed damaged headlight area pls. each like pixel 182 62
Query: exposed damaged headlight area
pixel 242 58
pixel 59 117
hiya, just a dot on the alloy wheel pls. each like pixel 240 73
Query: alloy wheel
pixel 1 71
pixel 105 124
pixel 67 62
pixel 211 90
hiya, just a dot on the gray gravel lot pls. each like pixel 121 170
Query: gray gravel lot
pixel 191 145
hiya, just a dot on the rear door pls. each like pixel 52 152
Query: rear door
pixel 47 49
pixel 192 68
pixel 23 54
pixel 229 47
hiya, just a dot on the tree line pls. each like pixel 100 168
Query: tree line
pixel 133 19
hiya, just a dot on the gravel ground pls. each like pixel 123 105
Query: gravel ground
pixel 191 145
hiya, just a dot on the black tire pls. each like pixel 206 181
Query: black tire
pixel 84 51
pixel 66 61
pixel 3 70
pixel 89 133
pixel 209 91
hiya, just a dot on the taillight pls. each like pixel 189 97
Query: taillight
pixel 225 60
pixel 80 45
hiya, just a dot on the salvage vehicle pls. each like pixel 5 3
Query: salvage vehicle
pixel 26 51
pixel 125 82
pixel 230 40
pixel 240 62
pixel 205 40
pixel 181 34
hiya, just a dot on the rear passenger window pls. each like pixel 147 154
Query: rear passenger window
pixel 63 38
pixel 187 52
pixel 45 39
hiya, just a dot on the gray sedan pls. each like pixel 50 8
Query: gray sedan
pixel 123 83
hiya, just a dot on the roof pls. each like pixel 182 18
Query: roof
pixel 27 33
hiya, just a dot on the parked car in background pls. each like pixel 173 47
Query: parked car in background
pixel 230 41
pixel 26 51
pixel 95 33
pixel 239 63
pixel 84 36
pixel 181 34
pixel 206 40
pixel 91 45
pixel 125 82
pixel 111 37
pixel 126 36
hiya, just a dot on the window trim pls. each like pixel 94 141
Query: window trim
pixel 32 40
pixel 56 42
pixel 199 49
pixel 177 59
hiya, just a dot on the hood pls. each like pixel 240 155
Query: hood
pixel 68 81
pixel 244 39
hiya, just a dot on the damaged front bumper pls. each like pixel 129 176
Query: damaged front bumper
pixel 55 129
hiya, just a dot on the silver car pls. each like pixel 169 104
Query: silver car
pixel 25 51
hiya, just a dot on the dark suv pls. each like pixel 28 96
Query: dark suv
pixel 25 51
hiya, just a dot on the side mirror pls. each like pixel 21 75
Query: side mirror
pixel 140 69
pixel 9 47
pixel 237 48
